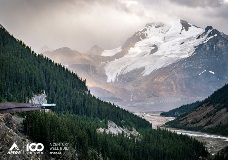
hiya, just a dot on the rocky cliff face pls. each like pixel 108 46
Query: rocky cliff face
pixel 10 133
pixel 195 76
pixel 115 130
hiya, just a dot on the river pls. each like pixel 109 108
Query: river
pixel 212 142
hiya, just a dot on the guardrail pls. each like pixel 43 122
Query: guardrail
pixel 12 107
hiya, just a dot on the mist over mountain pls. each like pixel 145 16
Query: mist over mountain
pixel 159 67
pixel 44 49
pixel 82 125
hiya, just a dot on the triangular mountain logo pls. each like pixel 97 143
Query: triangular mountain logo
pixel 14 149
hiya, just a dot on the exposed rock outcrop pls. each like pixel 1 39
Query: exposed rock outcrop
pixel 114 129
pixel 10 133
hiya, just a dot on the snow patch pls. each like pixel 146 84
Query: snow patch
pixel 111 52
pixel 202 72
pixel 207 39
pixel 212 72
pixel 173 44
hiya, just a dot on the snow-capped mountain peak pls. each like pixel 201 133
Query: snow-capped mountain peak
pixel 153 29
pixel 159 46
pixel 160 66
pixel 181 30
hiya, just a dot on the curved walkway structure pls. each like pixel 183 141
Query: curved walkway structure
pixel 11 107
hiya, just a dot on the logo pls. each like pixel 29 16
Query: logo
pixel 30 148
pixel 14 149
pixel 35 147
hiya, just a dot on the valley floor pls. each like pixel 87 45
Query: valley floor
pixel 214 143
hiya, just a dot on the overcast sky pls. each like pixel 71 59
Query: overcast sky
pixel 80 24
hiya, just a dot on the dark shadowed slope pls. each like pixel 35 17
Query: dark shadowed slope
pixel 210 116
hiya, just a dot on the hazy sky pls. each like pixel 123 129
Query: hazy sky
pixel 80 24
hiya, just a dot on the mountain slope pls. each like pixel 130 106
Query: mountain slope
pixel 95 50
pixel 181 110
pixel 185 80
pixel 24 73
pixel 161 45
pixel 90 67
pixel 82 136
pixel 211 115
pixel 159 67
pixel 73 127
pixel 10 132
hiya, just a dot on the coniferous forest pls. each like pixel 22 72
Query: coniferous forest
pixel 24 73
pixel 78 114
pixel 219 101
pixel 181 110
pixel 81 132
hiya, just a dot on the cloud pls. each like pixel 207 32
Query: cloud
pixel 199 3
pixel 80 24
pixel 77 24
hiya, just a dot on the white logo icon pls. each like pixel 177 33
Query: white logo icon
pixel 14 149
pixel 35 147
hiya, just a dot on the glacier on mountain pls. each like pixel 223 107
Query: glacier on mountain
pixel 163 45
pixel 111 52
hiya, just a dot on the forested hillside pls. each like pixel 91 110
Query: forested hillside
pixel 24 73
pixel 221 155
pixel 211 115
pixel 89 144
pixel 78 114
pixel 181 110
